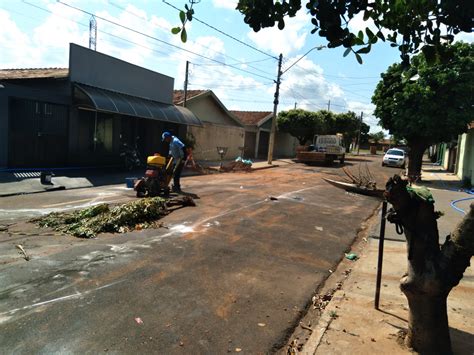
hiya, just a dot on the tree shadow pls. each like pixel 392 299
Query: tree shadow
pixel 393 315
pixel 461 341
pixel 190 194
pixel 357 159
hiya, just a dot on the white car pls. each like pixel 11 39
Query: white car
pixel 395 157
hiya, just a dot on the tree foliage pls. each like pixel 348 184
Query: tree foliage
pixel 377 137
pixel 348 124
pixel 300 124
pixel 304 124
pixel 364 133
pixel 426 104
pixel 409 25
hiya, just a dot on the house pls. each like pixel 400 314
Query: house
pixel 257 126
pixel 220 129
pixel 84 114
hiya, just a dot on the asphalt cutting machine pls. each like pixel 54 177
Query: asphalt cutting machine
pixel 157 177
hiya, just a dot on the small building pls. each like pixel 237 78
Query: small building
pixel 257 126
pixel 220 129
pixel 84 114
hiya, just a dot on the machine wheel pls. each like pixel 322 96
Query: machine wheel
pixel 383 164
pixel 140 187
pixel 341 160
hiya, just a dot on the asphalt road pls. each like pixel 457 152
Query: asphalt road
pixel 235 273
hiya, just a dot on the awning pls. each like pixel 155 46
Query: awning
pixel 114 102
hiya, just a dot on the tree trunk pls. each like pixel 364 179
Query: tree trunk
pixel 415 160
pixel 428 330
pixel 432 272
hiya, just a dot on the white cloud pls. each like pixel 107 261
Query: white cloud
pixel 225 4
pixel 286 41
pixel 306 84
pixel 16 46
pixel 464 36
pixel 368 117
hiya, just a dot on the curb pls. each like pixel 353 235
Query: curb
pixel 54 188
pixel 266 167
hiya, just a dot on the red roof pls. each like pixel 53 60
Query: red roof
pixel 34 73
pixel 178 95
pixel 250 117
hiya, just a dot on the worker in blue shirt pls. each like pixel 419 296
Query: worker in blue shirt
pixel 177 151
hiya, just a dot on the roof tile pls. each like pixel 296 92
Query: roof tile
pixel 178 95
pixel 250 117
pixel 34 73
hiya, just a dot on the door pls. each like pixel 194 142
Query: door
pixel 263 144
pixel 38 134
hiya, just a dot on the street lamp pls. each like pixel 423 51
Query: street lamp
pixel 304 55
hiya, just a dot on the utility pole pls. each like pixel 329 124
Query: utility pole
pixel 329 105
pixel 295 105
pixel 358 138
pixel 93 33
pixel 186 84
pixel 271 144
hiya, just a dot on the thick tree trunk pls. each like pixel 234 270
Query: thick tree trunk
pixel 415 160
pixel 428 330
pixel 432 272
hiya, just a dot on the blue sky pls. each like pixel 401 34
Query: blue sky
pixel 36 33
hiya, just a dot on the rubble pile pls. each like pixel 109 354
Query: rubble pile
pixel 238 164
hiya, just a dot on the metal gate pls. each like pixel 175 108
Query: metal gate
pixel 38 134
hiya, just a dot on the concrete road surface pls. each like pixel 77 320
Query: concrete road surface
pixel 235 273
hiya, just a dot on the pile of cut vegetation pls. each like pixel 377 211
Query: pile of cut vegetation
pixel 89 222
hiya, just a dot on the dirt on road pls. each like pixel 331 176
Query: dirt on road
pixel 236 273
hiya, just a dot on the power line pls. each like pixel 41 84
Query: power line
pixel 101 31
pixel 162 41
pixel 225 34
pixel 236 87
pixel 199 44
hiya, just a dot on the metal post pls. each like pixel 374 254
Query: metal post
pixel 380 259
pixel 329 105
pixel 271 143
pixel 186 84
pixel 95 131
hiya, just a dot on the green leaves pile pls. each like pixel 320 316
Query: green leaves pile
pixel 89 222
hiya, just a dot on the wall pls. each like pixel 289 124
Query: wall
pixel 88 67
pixel 285 145
pixel 3 128
pixel 211 136
pixel 208 110
pixel 446 158
pixel 465 164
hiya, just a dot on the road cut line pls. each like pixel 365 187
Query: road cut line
pixel 58 299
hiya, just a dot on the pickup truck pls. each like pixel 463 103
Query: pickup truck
pixel 325 149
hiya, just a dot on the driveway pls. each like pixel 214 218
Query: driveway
pixel 235 273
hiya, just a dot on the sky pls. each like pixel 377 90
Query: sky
pixel 225 55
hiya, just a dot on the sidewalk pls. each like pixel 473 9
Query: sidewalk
pixel 351 325
pixel 28 182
